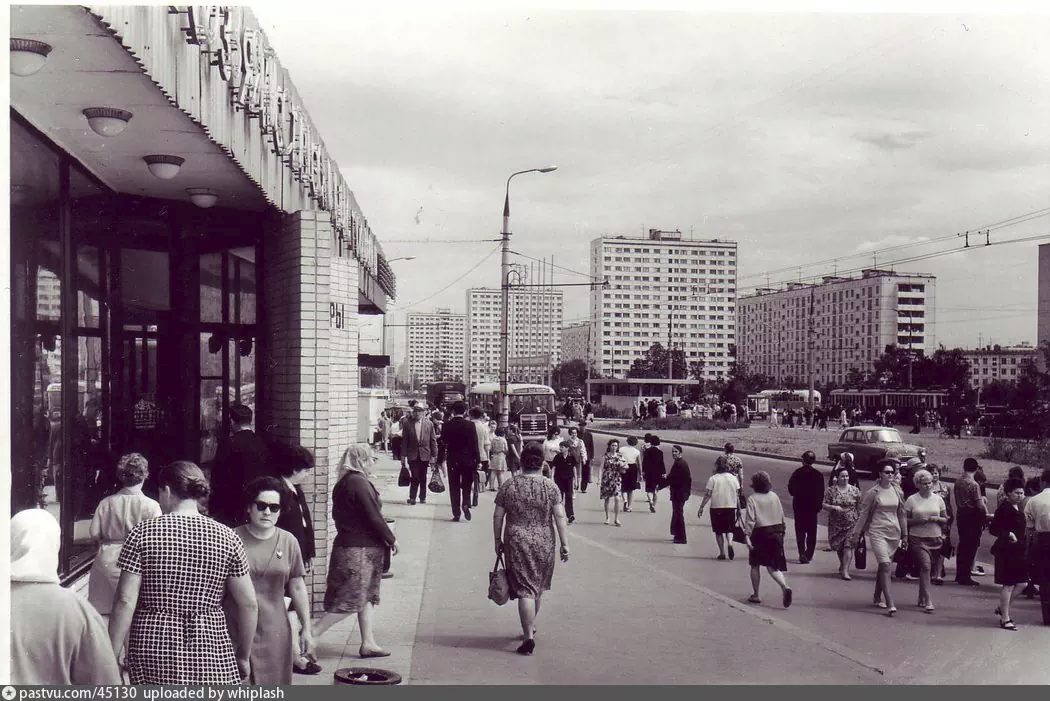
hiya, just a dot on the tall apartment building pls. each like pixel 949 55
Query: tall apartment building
pixel 852 320
pixel 993 363
pixel 436 336
pixel 575 340
pixel 534 325
pixel 1043 294
pixel 663 289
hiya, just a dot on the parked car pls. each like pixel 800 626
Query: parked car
pixel 870 444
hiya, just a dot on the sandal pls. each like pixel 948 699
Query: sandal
pixel 754 599
pixel 1008 624
pixel 879 604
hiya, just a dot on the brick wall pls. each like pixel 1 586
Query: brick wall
pixel 311 367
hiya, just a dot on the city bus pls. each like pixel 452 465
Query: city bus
pixel 444 394
pixel 531 406
pixel 760 404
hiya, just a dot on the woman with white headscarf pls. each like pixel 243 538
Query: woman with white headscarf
pixel 57 638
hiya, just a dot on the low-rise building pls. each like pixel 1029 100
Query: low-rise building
pixel 993 363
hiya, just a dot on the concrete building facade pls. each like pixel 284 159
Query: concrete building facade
pixel 849 321
pixel 575 341
pixel 437 336
pixel 1043 296
pixel 993 363
pixel 663 289
pixel 534 325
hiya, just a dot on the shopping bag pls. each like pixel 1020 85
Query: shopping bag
pixel 436 484
pixel 499 587
pixel 404 478
pixel 739 536
pixel 860 555
pixel 947 549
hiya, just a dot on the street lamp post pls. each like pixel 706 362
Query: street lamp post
pixel 504 334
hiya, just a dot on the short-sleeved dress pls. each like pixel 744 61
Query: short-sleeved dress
pixel 498 454
pixel 528 533
pixel 841 523
pixel 114 518
pixel 884 531
pixel 273 563
pixel 612 476
pixel 178 633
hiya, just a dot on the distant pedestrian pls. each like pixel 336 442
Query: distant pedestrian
pixel 395 438
pixel 551 444
pixel 1011 568
pixel 611 485
pixel 114 518
pixel 764 525
pixel 806 486
pixel 463 457
pixel 420 449
pixel 882 520
pixel 843 420
pixel 722 492
pixel 579 454
pixel 564 467
pixel 845 462
pixel 57 638
pixel 514 446
pixel 481 426
pixel 842 502
pixel 926 514
pixel 528 510
pixel 359 552
pixel 653 470
pixel 732 462
pixel 680 482
pixel 240 458
pixel 588 450
pixel 498 457
pixel 631 478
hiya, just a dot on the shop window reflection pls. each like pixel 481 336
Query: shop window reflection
pixel 92 472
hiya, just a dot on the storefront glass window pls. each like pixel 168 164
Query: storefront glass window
pixel 211 287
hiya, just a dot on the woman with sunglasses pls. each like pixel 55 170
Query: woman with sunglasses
pixel 944 491
pixel 882 519
pixel 275 563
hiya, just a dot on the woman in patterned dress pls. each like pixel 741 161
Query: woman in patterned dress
pixel 944 490
pixel 613 468
pixel 276 566
pixel 842 502
pixel 528 508
pixel 175 571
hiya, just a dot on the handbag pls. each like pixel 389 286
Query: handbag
pixel 741 501
pixel 947 550
pixel 436 484
pixel 739 536
pixel 860 554
pixel 499 587
pixel 404 478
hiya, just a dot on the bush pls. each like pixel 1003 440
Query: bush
pixel 607 412
pixel 1019 452
pixel 676 423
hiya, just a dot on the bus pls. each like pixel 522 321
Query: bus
pixel 761 403
pixel 531 406
pixel 444 394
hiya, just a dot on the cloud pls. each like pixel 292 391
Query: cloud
pixel 888 242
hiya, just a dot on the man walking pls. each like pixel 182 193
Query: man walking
pixel 462 458
pixel 420 450
pixel 680 482
pixel 1037 521
pixel 579 453
pixel 239 459
pixel 806 486
pixel 588 450
pixel 971 514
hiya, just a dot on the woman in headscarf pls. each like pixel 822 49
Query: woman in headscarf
pixel 176 570
pixel 57 638
pixel 359 551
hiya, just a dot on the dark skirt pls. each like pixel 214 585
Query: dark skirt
pixel 395 447
pixel 723 520
pixel 767 548
pixel 652 481
pixel 1039 559
pixel 354 574
pixel 1011 566
pixel 630 479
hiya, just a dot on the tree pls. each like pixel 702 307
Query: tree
pixel 999 393
pixel 570 375
pixel 856 379
pixel 654 363
pixel 438 369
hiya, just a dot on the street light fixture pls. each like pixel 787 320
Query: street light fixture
pixel 504 334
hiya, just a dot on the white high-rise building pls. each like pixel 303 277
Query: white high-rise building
pixel 663 288
pixel 436 336
pixel 849 321
pixel 534 325
pixel 575 341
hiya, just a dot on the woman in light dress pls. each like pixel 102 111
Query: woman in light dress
pixel 498 457
pixel 114 518
pixel 882 519
pixel 842 502
pixel 926 514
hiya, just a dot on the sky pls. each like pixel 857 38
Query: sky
pixel 821 142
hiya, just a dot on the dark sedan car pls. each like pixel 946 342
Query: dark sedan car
pixel 870 444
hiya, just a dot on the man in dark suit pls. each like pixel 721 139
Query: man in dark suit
pixel 588 442
pixel 806 485
pixel 239 459
pixel 419 450
pixel 462 457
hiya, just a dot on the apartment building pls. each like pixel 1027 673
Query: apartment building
pixel 436 336
pixel 849 321
pixel 575 340
pixel 663 289
pixel 534 325
pixel 993 363
pixel 1043 295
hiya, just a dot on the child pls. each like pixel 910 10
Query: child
pixel 114 518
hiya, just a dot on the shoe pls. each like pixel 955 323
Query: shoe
pixel 928 608
pixel 721 557
pixel 787 598
pixel 845 576
pixel 474 503
pixel 571 519
pixel 456 519
pixel 911 578
pixel 803 561
pixel 968 582
pixel 617 524
pixel 372 653
pixel 466 513
pixel 606 522
pixel 652 509
pixel 938 582
pixel 386 575
pixel 1008 625
pixel 977 571
pixel 754 599
pixel 527 647
pixel 680 542
pixel 310 668
pixel 879 604
pixel 411 502
pixel 731 553
pixel 891 612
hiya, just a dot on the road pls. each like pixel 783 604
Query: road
pixel 702 464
